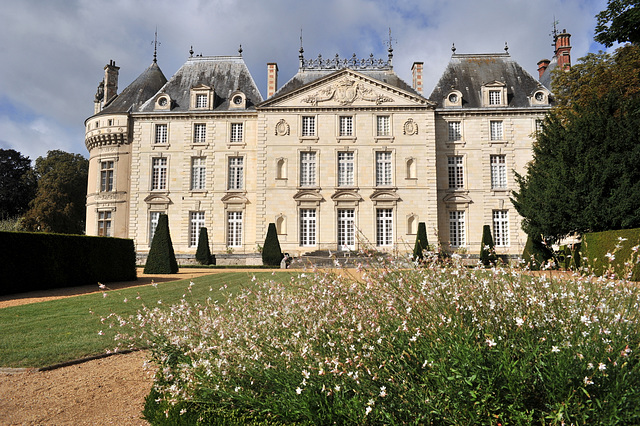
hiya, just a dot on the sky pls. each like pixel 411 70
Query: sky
pixel 53 52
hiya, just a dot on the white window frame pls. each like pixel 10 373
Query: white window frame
pixel 107 168
pixel 496 130
pixel 384 168
pixel 199 133
pixel 455 131
pixel 346 168
pixel 161 134
pixel 501 228
pixel 346 229
pixel 236 133
pixel 455 171
pixel 498 171
pixel 383 125
pixel 457 237
pixel 384 227
pixel 308 125
pixel 308 168
pixel 495 97
pixel 105 218
pixel 154 217
pixel 196 221
pixel 159 174
pixel 346 125
pixel 308 227
pixel 202 100
pixel 235 173
pixel 198 173
pixel 234 228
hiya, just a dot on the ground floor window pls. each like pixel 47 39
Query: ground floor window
pixel 196 221
pixel 234 229
pixel 384 227
pixel 104 224
pixel 307 227
pixel 501 228
pixel 346 229
pixel 153 224
pixel 456 228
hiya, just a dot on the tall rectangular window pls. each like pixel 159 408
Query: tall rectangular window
pixel 456 228
pixel 104 224
pixel 161 133
pixel 345 169
pixel 383 168
pixel 455 168
pixel 307 227
pixel 308 126
pixel 159 173
pixel 106 176
pixel 198 173
pixel 498 172
pixel 346 126
pixel 501 228
pixel 234 229
pixel 383 125
pixel 539 124
pixel 196 221
pixel 308 168
pixel 346 229
pixel 236 173
pixel 496 130
pixel 201 101
pixel 153 224
pixel 384 227
pixel 495 97
pixel 455 133
pixel 199 133
pixel 236 132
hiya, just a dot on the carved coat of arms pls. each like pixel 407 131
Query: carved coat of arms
pixel 346 91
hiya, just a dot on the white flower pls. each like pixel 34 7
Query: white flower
pixel 590 366
pixel 555 349
pixel 519 321
pixel 587 381
pixel 337 388
pixel 601 366
pixel 610 256
pixel 367 411
pixel 306 374
pixel 383 391
pixel 491 343
pixel 298 390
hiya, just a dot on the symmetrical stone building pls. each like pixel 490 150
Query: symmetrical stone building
pixel 342 155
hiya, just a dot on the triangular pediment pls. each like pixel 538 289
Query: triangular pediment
pixel 346 88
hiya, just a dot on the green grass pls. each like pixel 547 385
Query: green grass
pixel 47 333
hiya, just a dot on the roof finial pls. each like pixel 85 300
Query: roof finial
pixel 240 50
pixel 191 52
pixel 390 49
pixel 506 47
pixel 155 46
pixel 301 48
pixel 453 48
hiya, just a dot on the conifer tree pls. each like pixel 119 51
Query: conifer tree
pixel 421 242
pixel 161 258
pixel 487 250
pixel 203 253
pixel 271 252
pixel 535 253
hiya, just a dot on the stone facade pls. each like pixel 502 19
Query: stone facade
pixel 344 155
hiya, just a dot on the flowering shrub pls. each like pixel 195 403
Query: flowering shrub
pixel 391 345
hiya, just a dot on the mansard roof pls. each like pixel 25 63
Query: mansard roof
pixel 467 73
pixel 225 74
pixel 138 92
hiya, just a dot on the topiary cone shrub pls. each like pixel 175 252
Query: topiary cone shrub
pixel 421 242
pixel 161 259
pixel 535 253
pixel 487 251
pixel 271 252
pixel 203 253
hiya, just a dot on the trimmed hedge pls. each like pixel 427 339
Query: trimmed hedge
pixel 535 253
pixel 596 246
pixel 422 243
pixel 161 258
pixel 487 249
pixel 40 261
pixel 271 252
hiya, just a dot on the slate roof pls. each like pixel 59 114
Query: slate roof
pixel 469 72
pixel 138 92
pixel 226 74
pixel 546 76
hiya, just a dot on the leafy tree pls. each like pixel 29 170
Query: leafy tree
pixel 17 183
pixel 487 250
pixel 59 204
pixel 161 258
pixel 203 253
pixel 619 22
pixel 271 252
pixel 421 242
pixel 584 175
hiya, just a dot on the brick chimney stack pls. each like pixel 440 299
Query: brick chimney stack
pixel 416 71
pixel 110 81
pixel 543 64
pixel 563 50
pixel 272 78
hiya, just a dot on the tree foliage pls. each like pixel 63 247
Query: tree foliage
pixel 421 242
pixel 59 204
pixel 17 183
pixel 619 22
pixel 584 176
pixel 161 258
pixel 271 252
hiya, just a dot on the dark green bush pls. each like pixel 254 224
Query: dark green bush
pixel 203 253
pixel 271 252
pixel 40 261
pixel 421 242
pixel 535 253
pixel 487 250
pixel 613 251
pixel 161 258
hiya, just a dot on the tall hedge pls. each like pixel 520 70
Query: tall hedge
pixel 271 252
pixel 613 250
pixel 535 253
pixel 161 258
pixel 421 242
pixel 487 249
pixel 203 253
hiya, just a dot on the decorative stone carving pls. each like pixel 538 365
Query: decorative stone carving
pixel 410 127
pixel 345 92
pixel 282 128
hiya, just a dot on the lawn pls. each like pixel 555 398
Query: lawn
pixel 47 333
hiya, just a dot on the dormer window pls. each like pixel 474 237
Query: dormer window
pixel 453 99
pixel 237 100
pixel 494 94
pixel 163 102
pixel 201 97
pixel 540 97
pixel 495 97
pixel 201 101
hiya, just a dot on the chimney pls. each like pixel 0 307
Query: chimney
pixel 272 78
pixel 563 50
pixel 543 64
pixel 416 71
pixel 110 81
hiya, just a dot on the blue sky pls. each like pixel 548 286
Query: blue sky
pixel 53 52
